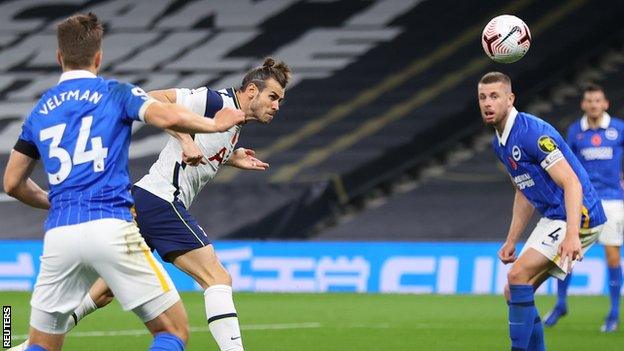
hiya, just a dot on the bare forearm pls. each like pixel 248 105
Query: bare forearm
pixel 178 119
pixel 522 212
pixel 573 197
pixel 31 194
pixel 182 137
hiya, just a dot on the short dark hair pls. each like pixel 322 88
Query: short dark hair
pixel 79 39
pixel 495 77
pixel 271 68
pixel 592 87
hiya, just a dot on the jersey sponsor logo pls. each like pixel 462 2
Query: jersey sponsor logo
pixel 611 134
pixel 515 153
pixel 596 140
pixel 546 144
pixel 523 181
pixel 597 153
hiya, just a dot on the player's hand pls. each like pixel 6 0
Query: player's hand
pixel 570 250
pixel 228 117
pixel 246 159
pixel 192 154
pixel 507 253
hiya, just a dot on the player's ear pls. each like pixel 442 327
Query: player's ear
pixel 59 57
pixel 252 90
pixel 98 59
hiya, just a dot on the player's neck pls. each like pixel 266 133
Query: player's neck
pixel 89 69
pixel 594 123
pixel 244 106
pixel 500 126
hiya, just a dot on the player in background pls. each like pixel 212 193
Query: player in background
pixel 81 131
pixel 163 196
pixel 547 176
pixel 597 139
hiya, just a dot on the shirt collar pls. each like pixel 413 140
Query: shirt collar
pixel 604 122
pixel 76 74
pixel 502 139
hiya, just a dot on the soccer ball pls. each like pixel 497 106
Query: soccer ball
pixel 506 39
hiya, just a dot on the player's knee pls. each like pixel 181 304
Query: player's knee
pixel 516 276
pixel 104 299
pixel 506 293
pixel 215 275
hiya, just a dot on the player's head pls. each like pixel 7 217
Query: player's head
pixel 495 97
pixel 80 42
pixel 595 101
pixel 263 89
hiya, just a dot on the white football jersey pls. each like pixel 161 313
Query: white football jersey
pixel 169 177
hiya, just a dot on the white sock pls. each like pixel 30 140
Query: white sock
pixel 86 306
pixel 222 318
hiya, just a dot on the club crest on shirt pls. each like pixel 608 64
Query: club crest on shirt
pixel 546 144
pixel 515 153
pixel 611 134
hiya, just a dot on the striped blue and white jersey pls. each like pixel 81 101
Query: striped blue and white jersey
pixel 600 152
pixel 169 177
pixel 81 130
pixel 528 147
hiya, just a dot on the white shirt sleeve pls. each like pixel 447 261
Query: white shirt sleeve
pixel 193 99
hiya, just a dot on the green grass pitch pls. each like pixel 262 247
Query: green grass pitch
pixel 345 322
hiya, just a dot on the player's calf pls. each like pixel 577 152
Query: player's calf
pixel 204 266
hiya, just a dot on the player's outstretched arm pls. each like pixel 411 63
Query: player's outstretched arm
pixel 563 175
pixel 164 95
pixel 17 182
pixel 521 215
pixel 178 118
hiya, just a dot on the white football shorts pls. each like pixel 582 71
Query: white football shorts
pixel 613 231
pixel 74 256
pixel 548 235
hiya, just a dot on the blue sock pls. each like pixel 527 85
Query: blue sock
pixel 562 291
pixel 35 348
pixel 615 285
pixel 166 342
pixel 537 337
pixel 521 316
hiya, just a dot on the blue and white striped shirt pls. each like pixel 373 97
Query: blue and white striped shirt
pixel 81 128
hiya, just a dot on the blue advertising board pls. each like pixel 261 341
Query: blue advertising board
pixel 365 267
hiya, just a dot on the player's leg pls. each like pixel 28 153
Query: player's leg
pixel 169 229
pixel 203 265
pixel 139 281
pixel 98 296
pixel 615 286
pixel 62 281
pixel 529 270
pixel 612 238
pixel 561 306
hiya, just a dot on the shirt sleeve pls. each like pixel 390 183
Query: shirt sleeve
pixel 134 101
pixel 25 143
pixel 203 101
pixel 542 145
